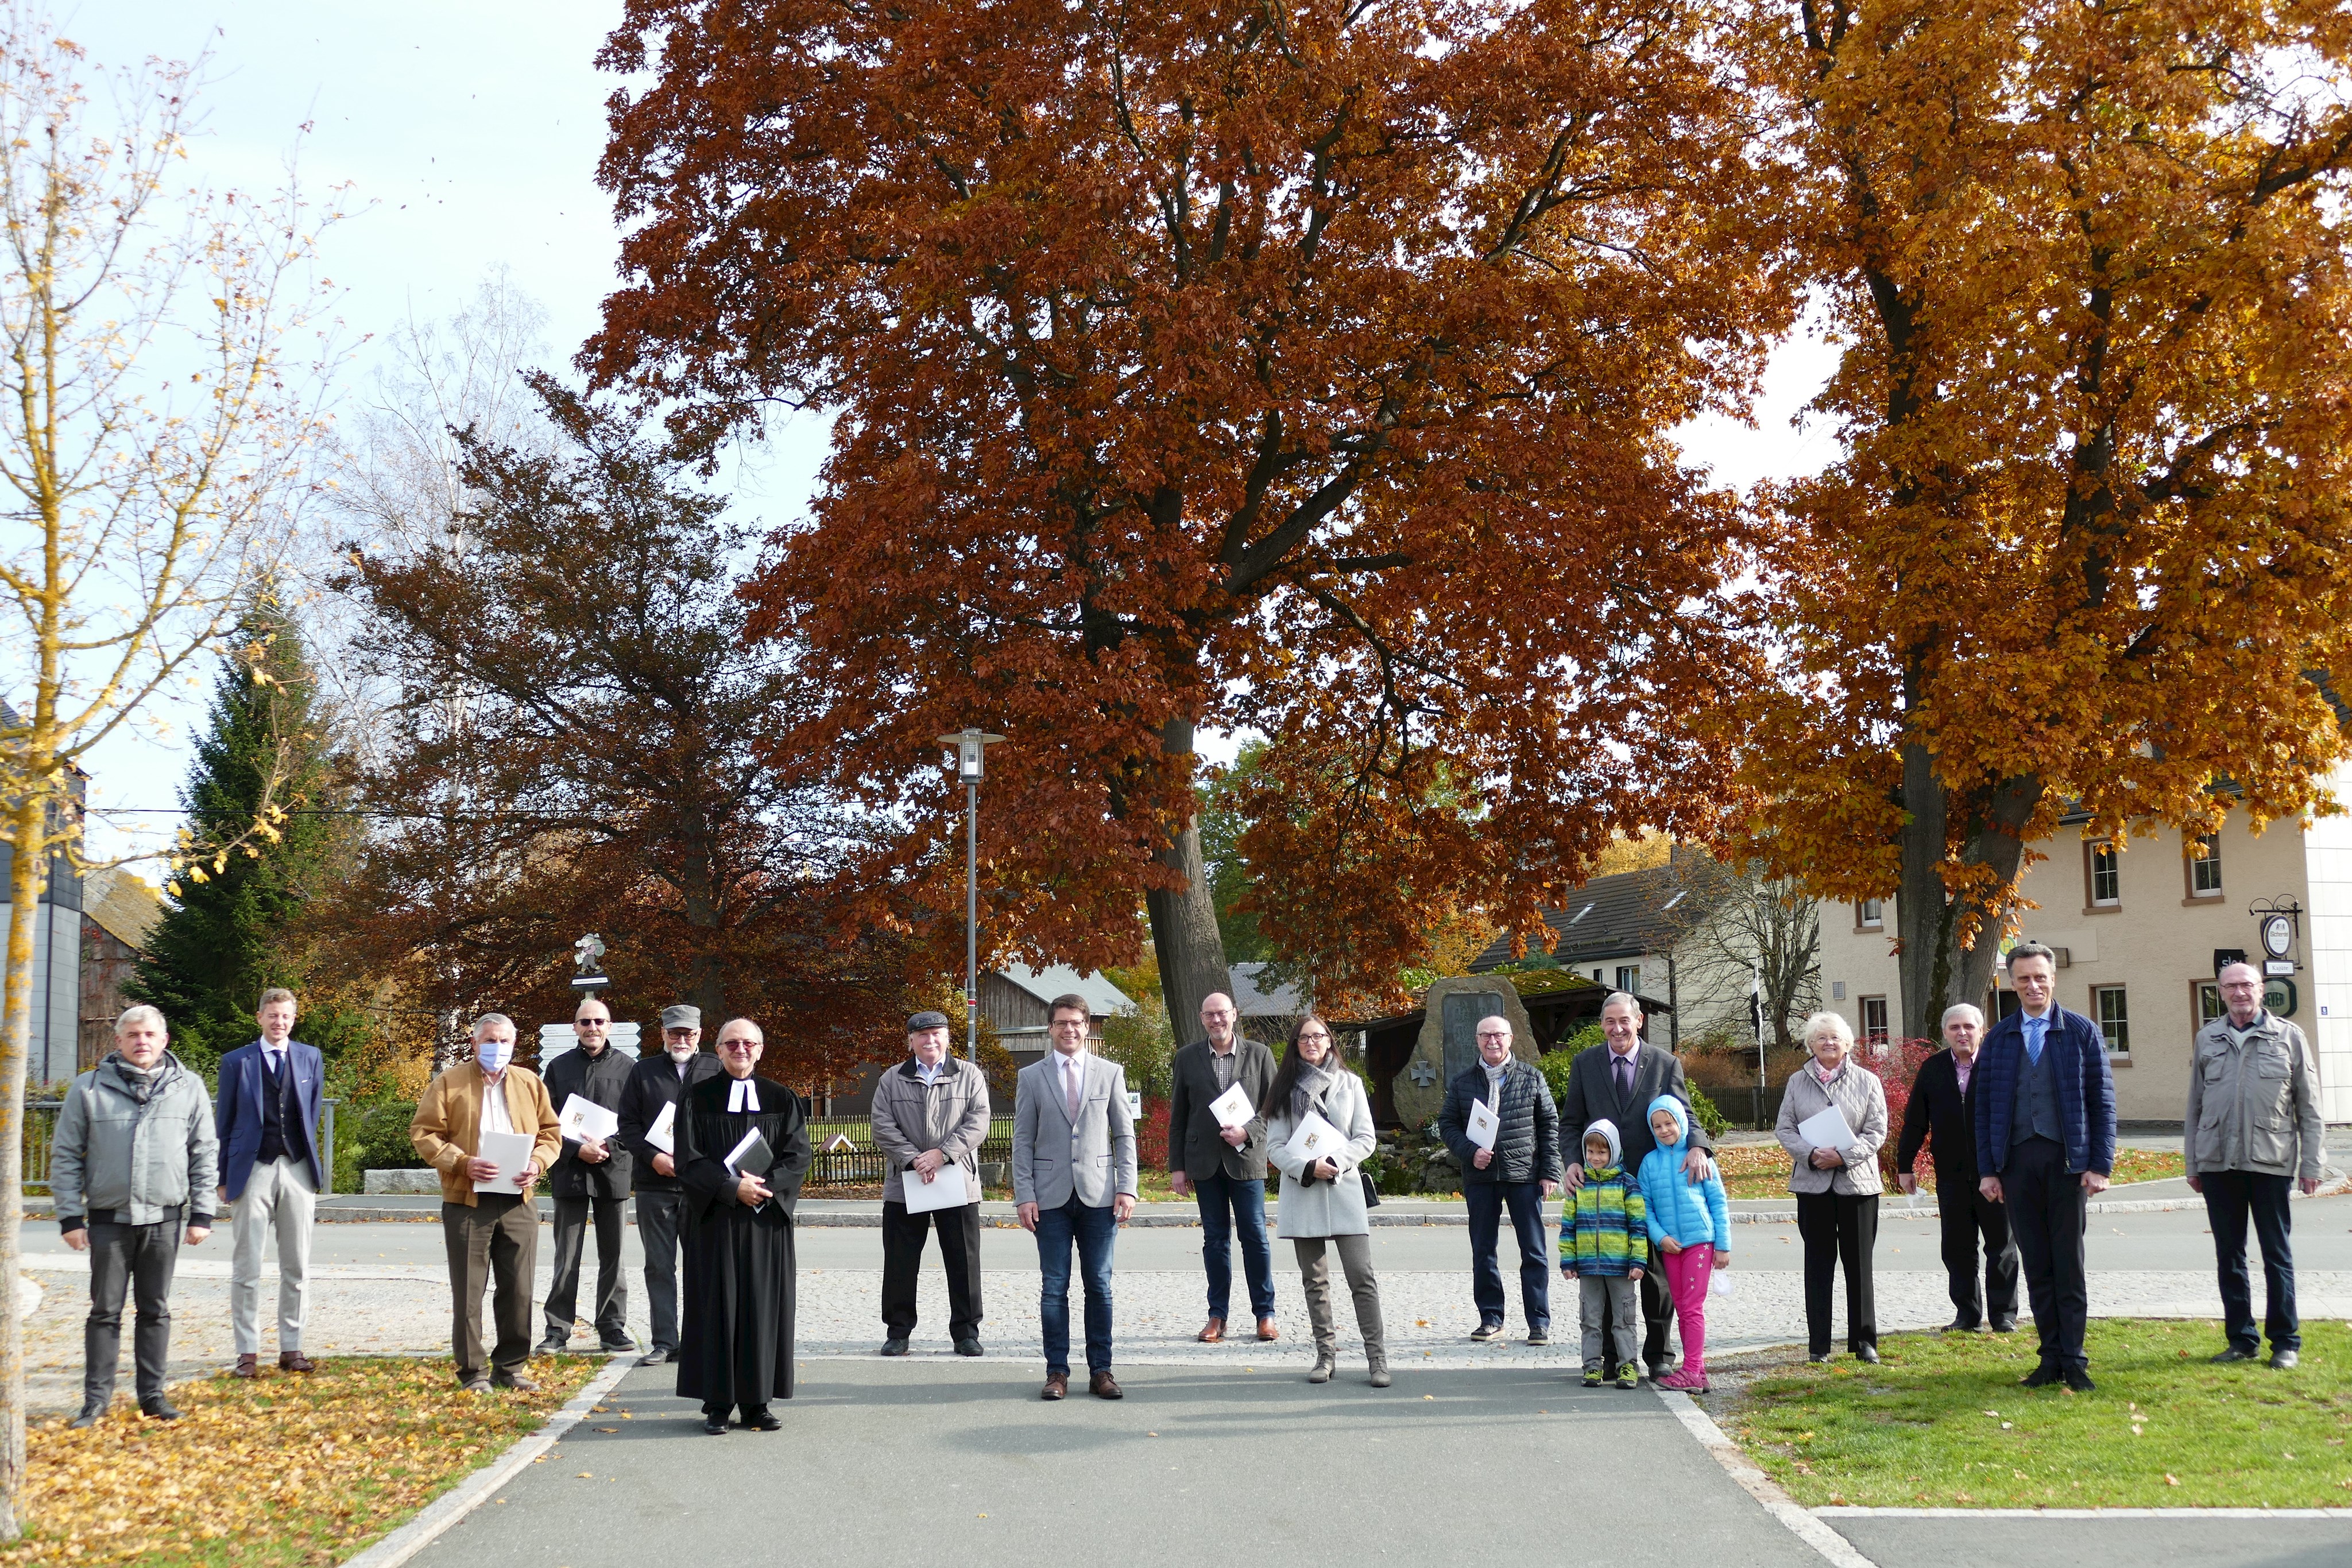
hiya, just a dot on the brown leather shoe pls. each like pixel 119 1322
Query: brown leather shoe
pixel 1103 1385
pixel 1266 1329
pixel 1214 1334
pixel 294 1360
pixel 246 1366
pixel 1057 1386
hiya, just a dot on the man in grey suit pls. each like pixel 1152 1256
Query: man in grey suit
pixel 1073 1184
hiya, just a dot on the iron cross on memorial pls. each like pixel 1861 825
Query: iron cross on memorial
pixel 1422 1073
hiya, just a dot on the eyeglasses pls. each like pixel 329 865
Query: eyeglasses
pixel 738 1045
pixel 680 1033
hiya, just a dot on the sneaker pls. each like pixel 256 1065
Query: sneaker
pixel 1629 1376
pixel 1685 1381
pixel 1539 1337
pixel 1485 1334
pixel 2235 1353
pixel 1592 1378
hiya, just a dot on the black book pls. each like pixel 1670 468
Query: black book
pixel 752 1156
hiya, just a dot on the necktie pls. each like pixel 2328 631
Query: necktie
pixel 1075 1078
pixel 1625 1065
pixel 2034 1027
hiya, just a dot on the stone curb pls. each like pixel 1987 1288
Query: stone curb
pixel 470 1493
pixel 1850 1511
pixel 1834 1548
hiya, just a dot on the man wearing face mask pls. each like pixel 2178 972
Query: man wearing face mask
pixel 492 1236
pixel 657 1083
pixel 589 1181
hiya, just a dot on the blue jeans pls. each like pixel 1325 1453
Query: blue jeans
pixel 1095 1232
pixel 1486 1200
pixel 1229 1204
pixel 2229 1195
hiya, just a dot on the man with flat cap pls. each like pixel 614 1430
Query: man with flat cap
pixel 930 1115
pixel 648 1104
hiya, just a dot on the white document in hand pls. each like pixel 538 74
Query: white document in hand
pixel 663 1133
pixel 509 1152
pixel 1232 1109
pixel 1318 1139
pixel 1826 1129
pixel 583 1118
pixel 946 1189
pixel 1483 1124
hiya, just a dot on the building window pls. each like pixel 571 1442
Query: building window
pixel 2208 1003
pixel 1874 1024
pixel 2106 877
pixel 1629 979
pixel 2004 1003
pixel 1870 914
pixel 2115 1019
pixel 2205 866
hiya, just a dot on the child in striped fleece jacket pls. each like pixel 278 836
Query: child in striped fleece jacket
pixel 1604 1244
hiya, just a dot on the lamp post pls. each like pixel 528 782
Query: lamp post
pixel 970 748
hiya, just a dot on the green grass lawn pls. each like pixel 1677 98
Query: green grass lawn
pixel 1762 1170
pixel 1941 1422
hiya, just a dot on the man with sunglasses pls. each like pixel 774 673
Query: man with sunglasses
pixel 656 1083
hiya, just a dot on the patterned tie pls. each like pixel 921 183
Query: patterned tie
pixel 2034 1027
pixel 1075 1078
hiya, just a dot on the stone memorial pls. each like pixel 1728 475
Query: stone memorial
pixel 1448 1045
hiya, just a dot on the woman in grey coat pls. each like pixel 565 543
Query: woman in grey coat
pixel 1837 1188
pixel 1321 1203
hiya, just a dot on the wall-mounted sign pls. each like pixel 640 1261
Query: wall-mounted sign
pixel 2279 997
pixel 2278 935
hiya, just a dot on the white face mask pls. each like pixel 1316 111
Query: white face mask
pixel 493 1055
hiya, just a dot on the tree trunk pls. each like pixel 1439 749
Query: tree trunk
pixel 1184 923
pixel 26 827
pixel 1933 971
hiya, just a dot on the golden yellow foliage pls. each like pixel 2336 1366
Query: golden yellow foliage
pixel 281 1469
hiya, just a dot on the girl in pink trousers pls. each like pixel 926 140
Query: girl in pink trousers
pixel 1690 1232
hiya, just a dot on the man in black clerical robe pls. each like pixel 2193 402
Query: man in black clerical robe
pixel 735 1345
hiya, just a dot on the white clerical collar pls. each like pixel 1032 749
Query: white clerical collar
pixel 742 1096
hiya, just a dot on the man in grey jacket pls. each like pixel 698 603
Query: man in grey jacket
pixel 2253 1129
pixel 134 1160
pixel 930 1112
pixel 1072 1186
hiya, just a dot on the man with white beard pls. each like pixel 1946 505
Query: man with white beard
pixel 656 1083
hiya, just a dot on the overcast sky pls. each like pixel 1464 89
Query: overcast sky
pixel 468 133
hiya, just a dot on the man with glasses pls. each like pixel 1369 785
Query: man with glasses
pixel 1224 1168
pixel 656 1086
pixel 1072 1186
pixel 2254 1131
pixel 930 1112
pixel 591 1180
pixel 1520 1169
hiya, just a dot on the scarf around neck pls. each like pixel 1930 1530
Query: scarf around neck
pixel 1311 1083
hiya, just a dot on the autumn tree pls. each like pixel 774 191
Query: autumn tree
pixel 2084 547
pixel 158 411
pixel 1300 367
pixel 572 745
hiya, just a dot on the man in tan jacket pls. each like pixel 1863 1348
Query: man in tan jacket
pixel 492 1236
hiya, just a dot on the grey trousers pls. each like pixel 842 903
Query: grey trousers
pixel 495 1245
pixel 612 1302
pixel 137 1259
pixel 1618 1298
pixel 278 1200
pixel 1314 1278
pixel 657 1217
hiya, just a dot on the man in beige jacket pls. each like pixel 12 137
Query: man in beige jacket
pixel 492 1236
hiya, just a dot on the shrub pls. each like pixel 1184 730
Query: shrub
pixel 379 1137
pixel 1710 1120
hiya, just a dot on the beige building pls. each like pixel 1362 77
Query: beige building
pixel 2138 931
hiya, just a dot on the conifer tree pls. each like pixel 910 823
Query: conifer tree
pixel 233 925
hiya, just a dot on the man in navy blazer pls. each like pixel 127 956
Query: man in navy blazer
pixel 267 1115
pixel 2045 1126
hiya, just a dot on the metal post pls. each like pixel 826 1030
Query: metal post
pixel 971 920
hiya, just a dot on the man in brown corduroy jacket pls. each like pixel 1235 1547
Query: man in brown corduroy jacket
pixel 492 1236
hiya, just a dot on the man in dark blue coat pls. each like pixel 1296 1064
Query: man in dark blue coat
pixel 266 1117
pixel 2045 1133
pixel 1519 1170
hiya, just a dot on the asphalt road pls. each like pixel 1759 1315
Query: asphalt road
pixel 1944 1541
pixel 963 1464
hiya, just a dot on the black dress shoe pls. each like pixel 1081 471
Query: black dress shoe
pixel 1818 1357
pixel 616 1346
pixel 967 1347
pixel 2041 1377
pixel 764 1420
pixel 88 1416
pixel 653 1357
pixel 2079 1380
pixel 1960 1325
pixel 715 1425
pixel 552 1346
pixel 895 1345
pixel 1868 1353
pixel 2004 1325
pixel 2235 1353
pixel 158 1409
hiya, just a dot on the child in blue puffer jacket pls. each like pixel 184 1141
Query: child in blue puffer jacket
pixel 1690 1228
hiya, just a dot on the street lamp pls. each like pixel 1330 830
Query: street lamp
pixel 971 747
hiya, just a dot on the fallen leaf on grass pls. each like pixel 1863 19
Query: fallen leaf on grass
pixel 2171 1480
